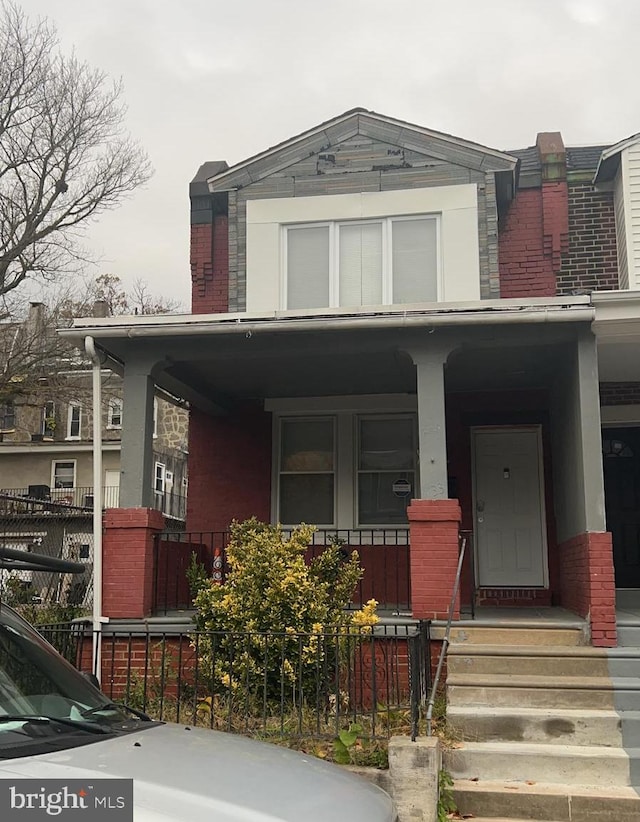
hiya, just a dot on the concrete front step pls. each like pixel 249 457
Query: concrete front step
pixel 530 660
pixel 532 634
pixel 497 800
pixel 628 635
pixel 500 690
pixel 524 762
pixel 553 727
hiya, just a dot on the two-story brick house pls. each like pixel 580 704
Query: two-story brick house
pixel 398 334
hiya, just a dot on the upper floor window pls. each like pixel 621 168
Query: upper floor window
pixel 114 416
pixel 7 415
pixel 48 421
pixel 159 478
pixel 386 261
pixel 74 416
pixel 63 473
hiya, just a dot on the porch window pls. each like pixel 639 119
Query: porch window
pixel 372 262
pixel 159 478
pixel 307 471
pixel 386 469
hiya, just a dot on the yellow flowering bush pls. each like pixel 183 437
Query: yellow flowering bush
pixel 274 626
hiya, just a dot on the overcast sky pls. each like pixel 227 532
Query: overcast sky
pixel 211 80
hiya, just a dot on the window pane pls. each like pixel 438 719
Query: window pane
pixel 377 504
pixel 64 475
pixel 306 498
pixel 414 261
pixel 306 445
pixel 361 264
pixel 386 444
pixel 308 267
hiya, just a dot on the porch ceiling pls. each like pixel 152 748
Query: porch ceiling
pixel 333 363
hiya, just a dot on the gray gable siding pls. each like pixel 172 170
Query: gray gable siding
pixel 361 163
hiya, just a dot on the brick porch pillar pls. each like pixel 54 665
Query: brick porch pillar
pixel 433 537
pixel 128 562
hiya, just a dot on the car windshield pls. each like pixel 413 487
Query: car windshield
pixel 44 701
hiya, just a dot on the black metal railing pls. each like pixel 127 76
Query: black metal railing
pixel 272 685
pixel 38 498
pixel 383 552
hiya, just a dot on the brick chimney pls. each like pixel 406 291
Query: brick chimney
pixel 555 196
pixel 209 244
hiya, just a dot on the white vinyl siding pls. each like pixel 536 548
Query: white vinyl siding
pixel 633 217
pixel 362 263
pixel 621 231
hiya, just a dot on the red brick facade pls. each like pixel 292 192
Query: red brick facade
pixel 229 469
pixel 434 536
pixel 619 393
pixel 526 266
pixel 128 562
pixel 587 583
pixel 210 266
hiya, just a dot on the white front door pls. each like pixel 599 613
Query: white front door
pixel 509 508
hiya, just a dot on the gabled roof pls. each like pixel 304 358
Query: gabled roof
pixel 610 159
pixel 359 121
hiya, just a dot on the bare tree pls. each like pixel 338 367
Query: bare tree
pixel 65 156
pixel 33 355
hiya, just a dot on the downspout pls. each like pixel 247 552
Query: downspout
pixel 90 348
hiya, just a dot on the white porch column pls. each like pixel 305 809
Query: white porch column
pixel 429 362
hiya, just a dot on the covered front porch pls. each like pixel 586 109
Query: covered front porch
pixel 398 431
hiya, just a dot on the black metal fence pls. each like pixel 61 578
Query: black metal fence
pixel 53 531
pixel 277 685
pixel 36 499
pixel 384 556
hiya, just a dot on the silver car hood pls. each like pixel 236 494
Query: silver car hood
pixel 196 775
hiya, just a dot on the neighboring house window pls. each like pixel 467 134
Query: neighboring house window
pixel 347 471
pixel 307 471
pixel 7 415
pixel 114 417
pixel 386 466
pixel 48 423
pixel 74 416
pixel 63 474
pixel 159 478
pixel 356 263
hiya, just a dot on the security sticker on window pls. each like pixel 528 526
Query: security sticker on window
pixel 99 800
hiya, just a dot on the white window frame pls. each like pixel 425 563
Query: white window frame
pixel 114 410
pixel 345 411
pixel 71 407
pixel 160 476
pixel 48 413
pixel 334 256
pixel 53 474
pixel 278 462
pixel 155 417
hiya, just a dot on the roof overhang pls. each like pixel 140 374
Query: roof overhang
pixel 366 123
pixel 610 160
pixel 217 361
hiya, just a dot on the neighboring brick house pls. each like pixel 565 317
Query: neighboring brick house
pixel 46 425
pixel 397 334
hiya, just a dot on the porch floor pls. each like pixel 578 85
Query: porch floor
pixel 543 617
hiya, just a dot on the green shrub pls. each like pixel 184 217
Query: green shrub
pixel 266 624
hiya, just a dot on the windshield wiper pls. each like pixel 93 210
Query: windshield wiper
pixel 119 706
pixel 40 719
